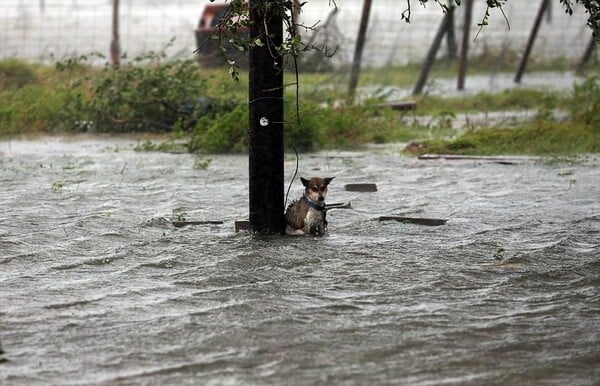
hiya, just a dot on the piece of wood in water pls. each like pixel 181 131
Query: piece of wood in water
pixel 339 205
pixel 242 225
pixel 415 220
pixel 181 224
pixel 361 187
pixel 399 105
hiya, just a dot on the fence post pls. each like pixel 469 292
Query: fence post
pixel 532 36
pixel 265 152
pixel 450 34
pixel 587 55
pixel 360 43
pixel 464 49
pixel 433 50
pixel 115 51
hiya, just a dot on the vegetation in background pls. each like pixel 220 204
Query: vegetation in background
pixel 585 104
pixel 146 94
pixel 13 73
pixel 31 97
pixel 204 111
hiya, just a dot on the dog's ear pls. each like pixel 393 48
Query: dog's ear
pixel 328 180
pixel 304 181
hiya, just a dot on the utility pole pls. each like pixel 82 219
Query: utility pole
pixel 265 151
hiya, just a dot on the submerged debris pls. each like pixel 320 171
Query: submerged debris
pixel 415 220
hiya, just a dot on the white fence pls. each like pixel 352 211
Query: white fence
pixel 47 30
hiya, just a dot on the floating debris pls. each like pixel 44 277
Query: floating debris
pixel 181 224
pixel 415 220
pixel 399 105
pixel 361 187
pixel 242 225
pixel 339 205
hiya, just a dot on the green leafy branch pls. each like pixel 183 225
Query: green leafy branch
pixel 226 33
pixel 592 8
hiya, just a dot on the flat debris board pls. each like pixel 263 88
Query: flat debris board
pixel 361 187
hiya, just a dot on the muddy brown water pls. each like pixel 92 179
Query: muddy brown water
pixel 97 287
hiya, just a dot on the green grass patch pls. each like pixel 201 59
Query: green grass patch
pixel 16 73
pixel 539 138
pixel 517 99
pixel 33 108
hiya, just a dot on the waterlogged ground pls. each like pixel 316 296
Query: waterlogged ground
pixel 97 287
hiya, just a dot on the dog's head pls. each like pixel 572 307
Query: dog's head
pixel 315 188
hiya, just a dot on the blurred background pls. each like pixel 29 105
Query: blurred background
pixel 50 30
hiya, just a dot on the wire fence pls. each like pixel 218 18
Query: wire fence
pixel 49 30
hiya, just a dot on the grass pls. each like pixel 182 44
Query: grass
pixel 75 98
pixel 579 133
pixel 537 138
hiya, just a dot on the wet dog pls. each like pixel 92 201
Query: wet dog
pixel 307 215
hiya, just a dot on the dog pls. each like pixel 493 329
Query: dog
pixel 308 214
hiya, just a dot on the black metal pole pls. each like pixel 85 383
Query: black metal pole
pixel 464 49
pixel 265 151
pixel 532 37
pixel 360 43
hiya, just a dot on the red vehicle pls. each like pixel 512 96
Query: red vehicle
pixel 208 50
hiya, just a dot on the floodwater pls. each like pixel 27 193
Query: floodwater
pixel 97 287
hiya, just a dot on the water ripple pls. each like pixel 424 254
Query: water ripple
pixel 98 287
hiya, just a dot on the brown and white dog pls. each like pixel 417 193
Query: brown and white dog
pixel 307 215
